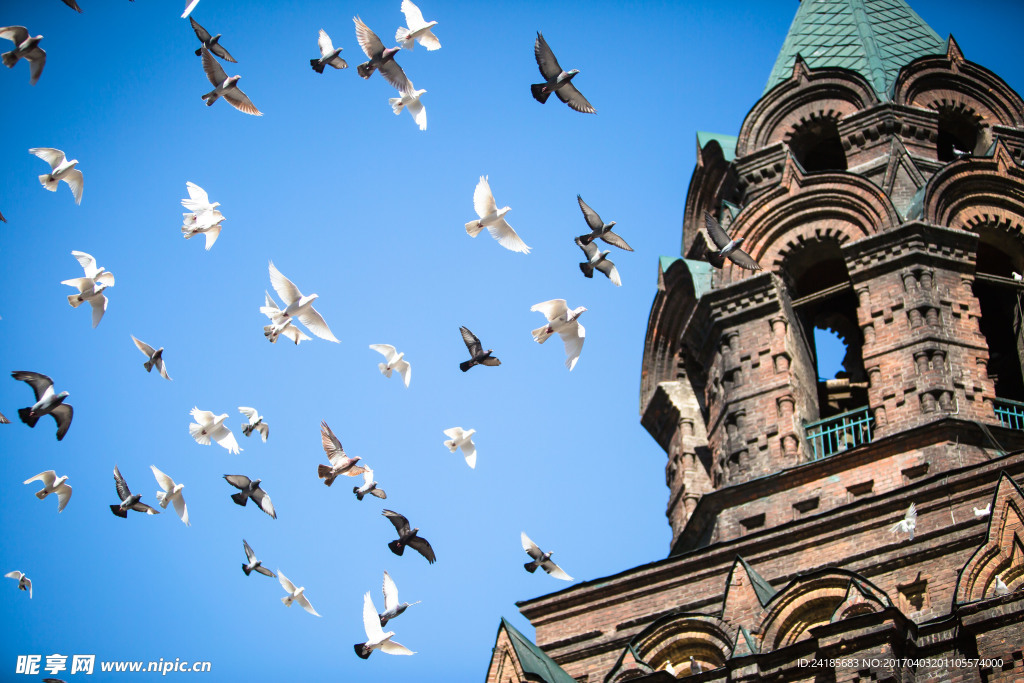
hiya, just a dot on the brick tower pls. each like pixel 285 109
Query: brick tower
pixel 878 182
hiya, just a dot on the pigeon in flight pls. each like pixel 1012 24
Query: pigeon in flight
pixel 477 355
pixel 908 524
pixel 556 80
pixel 249 488
pixel 47 402
pixel 298 307
pixel 60 169
pixel 226 87
pixel 392 608
pixel 4 420
pixel 171 493
pixel 129 500
pixel 369 486
pixel 24 46
pixel 408 537
pixel 209 426
pixel 341 464
pixel 210 42
pixel 393 361
pixel 419 30
pixel 411 100
pixel 599 229
pixel 90 288
pixel 294 594
pixel 52 484
pixel 566 324
pixel 493 218
pixel 380 58
pixel 198 203
pixel 720 247
pixel 253 564
pixel 189 7
pixel 155 358
pixel 462 438
pixel 255 423
pixel 287 328
pixel 541 559
pixel 983 512
pixel 598 259
pixel 25 583
pixel 329 55
pixel 73 5
pixel 376 639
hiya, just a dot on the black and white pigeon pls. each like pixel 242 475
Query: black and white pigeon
pixel 369 486
pixel 541 559
pixel 155 357
pixel 211 43
pixel 597 259
pixel 47 402
pixel 25 583
pixel 392 608
pixel 250 488
pixel 376 638
pixel 720 247
pixel 599 229
pixel 226 87
pixel 52 484
pixel 381 58
pixel 129 500
pixel 25 47
pixel 408 537
pixel 254 422
pixel 477 355
pixel 254 565
pixel 556 80
pixel 329 55
pixel 341 464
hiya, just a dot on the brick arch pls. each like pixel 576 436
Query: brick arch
pixel 1002 554
pixel 677 637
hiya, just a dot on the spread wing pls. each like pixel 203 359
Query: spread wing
pixel 62 414
pixel 743 259
pixel 483 198
pixel 400 522
pixel 54 157
pixel 260 497
pixel 395 75
pixel 552 309
pixel 575 99
pixel 371 622
pixel 546 61
pixel 390 593
pixel 288 292
pixel 332 446
pixel 249 554
pixel 144 347
pixel 573 337
pixel 593 220
pixel 530 547
pixel 420 545
pixel 239 481
pixel 508 237
pixel 615 240
pixel 472 343
pixel 240 101
pixel 166 483
pixel 123 491
pixel 413 15
pixel 324 43
pixel 213 69
pixel 39 383
pixel 288 586
pixel 609 269
pixel 367 39
pixel 201 33
pixel 715 231
pixel 387 350
pixel 555 571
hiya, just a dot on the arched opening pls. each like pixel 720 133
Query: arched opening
pixel 1000 298
pixel 816 145
pixel 958 132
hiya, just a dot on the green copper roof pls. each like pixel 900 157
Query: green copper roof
pixel 762 588
pixel 533 660
pixel 875 38
pixel 726 142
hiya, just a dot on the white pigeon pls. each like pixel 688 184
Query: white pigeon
pixel 208 224
pixel 155 357
pixel 209 426
pixel 25 584
pixel 983 512
pixel 52 484
pixel 419 30
pixel 255 421
pixel 393 362
pixel 369 486
pixel 564 322
pixel 1000 586
pixel 376 638
pixel 297 306
pixel 189 7
pixel 27 47
pixel 295 594
pixel 460 438
pixel 171 494
pixel 198 201
pixel 287 328
pixel 411 100
pixel 907 524
pixel 90 288
pixel 61 169
pixel 493 218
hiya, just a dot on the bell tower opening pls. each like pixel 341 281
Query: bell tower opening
pixel 958 131
pixel 1000 299
pixel 816 145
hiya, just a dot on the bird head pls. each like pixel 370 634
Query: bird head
pixel 233 80
pixel 738 241
pixel 570 74
pixel 62 395
pixel 256 482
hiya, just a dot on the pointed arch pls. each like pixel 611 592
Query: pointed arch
pixel 1002 554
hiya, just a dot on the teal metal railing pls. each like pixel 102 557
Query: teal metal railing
pixel 1010 413
pixel 841 432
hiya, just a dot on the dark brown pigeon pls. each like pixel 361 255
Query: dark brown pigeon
pixel 476 352
pixel 380 58
pixel 407 537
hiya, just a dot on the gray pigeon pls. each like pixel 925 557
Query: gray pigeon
pixel 369 486
pixel 557 80
pixel 155 358
pixel 250 488
pixel 210 43
pixel 329 55
pixel 599 229
pixel 541 559
pixel 226 87
pixel 26 47
pixel 47 402
pixel 253 564
pixel 720 247
pixel 476 351
pixel 2 219
pixel 380 58
pixel 597 259
pixel 408 537
pixel 392 608
pixel 129 500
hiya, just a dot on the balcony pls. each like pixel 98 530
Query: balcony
pixel 1009 413
pixel 848 430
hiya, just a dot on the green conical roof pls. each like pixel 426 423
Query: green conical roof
pixel 536 664
pixel 875 38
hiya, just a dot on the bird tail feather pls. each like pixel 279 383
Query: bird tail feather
pixel 161 497
pixel 116 509
pixel 317 66
pixel 27 417
pixel 10 59
pixel 355 490
pixel 245 568
pixel 42 494
pixel 384 369
pixel 539 93
pixel 48 182
pixel 530 567
pixel 359 650
pixel 366 69
pixel 401 37
pixel 473 228
pixel 396 105
pixel 241 498
pixel 247 429
pixel 74 300
pixel 148 365
pixel 466 365
pixel 396 547
pixel 541 334
pixel 324 472
pixel 588 270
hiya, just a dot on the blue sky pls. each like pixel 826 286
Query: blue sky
pixel 361 207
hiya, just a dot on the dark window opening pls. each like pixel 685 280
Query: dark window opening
pixel 1000 299
pixel 816 145
pixel 958 131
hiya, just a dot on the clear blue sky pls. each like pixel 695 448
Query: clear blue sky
pixel 359 206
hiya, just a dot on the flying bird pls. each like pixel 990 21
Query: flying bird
pixel 250 488
pixel 171 493
pixel 462 438
pixel 154 358
pixel 597 259
pixel 52 484
pixel 566 324
pixel 4 420
pixel 191 5
pixel 983 512
pixel 47 402
pixel 541 559
pixel 599 229
pixel 493 218
pixel 477 356
pixel 60 169
pixel 255 422
pixel 720 247
pixel 419 30
pixel 408 537
pixel 253 564
pixel 556 80
pixel 26 47
pixel 287 328
pixel 393 362
pixel 297 307
pixel 329 55
pixel 341 464
pixel 411 101
pixel 129 500
pixel 209 426
pixel 908 524
pixel 73 5
pixel 25 583
pixel 198 203
pixel 381 58
pixel 211 43
pixel 226 87
pixel 376 639
pixel 294 594
pixel 90 288
pixel 392 608
pixel 369 486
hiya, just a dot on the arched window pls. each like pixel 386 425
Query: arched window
pixel 816 145
pixel 1000 298
pixel 959 130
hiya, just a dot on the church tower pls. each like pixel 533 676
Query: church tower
pixel 879 184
